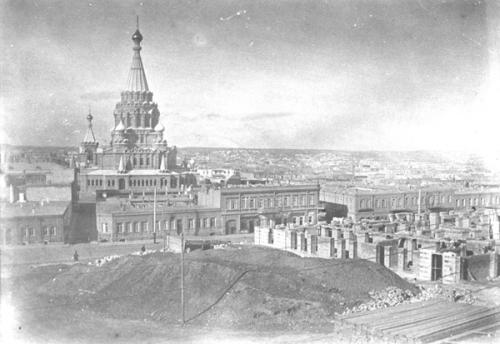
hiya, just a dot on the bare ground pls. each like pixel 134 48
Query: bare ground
pixel 243 293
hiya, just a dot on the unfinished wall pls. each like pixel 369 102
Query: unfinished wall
pixel 478 267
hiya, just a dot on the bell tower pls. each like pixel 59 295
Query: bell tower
pixel 88 147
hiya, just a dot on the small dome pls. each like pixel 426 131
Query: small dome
pixel 159 127
pixel 137 37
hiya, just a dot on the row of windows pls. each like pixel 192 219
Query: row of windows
pixel 30 231
pixel 129 227
pixel 299 220
pixel 98 182
pixel 432 201
pixel 143 227
pixel 252 203
pixel 153 182
pixel 477 201
pixel 135 182
pixel 403 202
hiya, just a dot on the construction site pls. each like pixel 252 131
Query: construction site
pixel 246 292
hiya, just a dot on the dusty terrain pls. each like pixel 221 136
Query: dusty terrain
pixel 240 292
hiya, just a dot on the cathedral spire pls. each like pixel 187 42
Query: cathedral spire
pixel 89 135
pixel 137 76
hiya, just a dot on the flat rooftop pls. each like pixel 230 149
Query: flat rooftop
pixel 139 206
pixel 267 188
pixel 383 189
pixel 32 209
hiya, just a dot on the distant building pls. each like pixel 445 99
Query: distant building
pixel 242 206
pixel 224 176
pixel 33 154
pixel 359 203
pixel 34 222
pixel 26 177
pixel 38 184
pixel 219 175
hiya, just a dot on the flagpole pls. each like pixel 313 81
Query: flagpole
pixel 154 216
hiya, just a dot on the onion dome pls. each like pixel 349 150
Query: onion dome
pixel 89 135
pixel 137 37
pixel 159 127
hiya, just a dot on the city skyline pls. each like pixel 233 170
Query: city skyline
pixel 381 75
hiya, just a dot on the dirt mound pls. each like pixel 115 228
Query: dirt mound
pixel 236 286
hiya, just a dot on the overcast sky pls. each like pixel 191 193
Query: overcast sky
pixel 344 74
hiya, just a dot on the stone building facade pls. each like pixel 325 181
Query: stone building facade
pixel 360 203
pixel 134 220
pixel 242 206
pixel 34 222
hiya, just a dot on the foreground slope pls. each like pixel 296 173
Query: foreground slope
pixel 237 287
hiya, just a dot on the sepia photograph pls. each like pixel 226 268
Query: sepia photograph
pixel 250 171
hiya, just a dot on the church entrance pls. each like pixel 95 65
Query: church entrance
pixel 121 184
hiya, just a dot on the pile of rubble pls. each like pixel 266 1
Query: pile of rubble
pixel 104 260
pixel 142 253
pixel 388 297
pixel 393 296
pixel 107 259
pixel 221 246
pixel 453 294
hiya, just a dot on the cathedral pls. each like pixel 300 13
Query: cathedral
pixel 138 158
